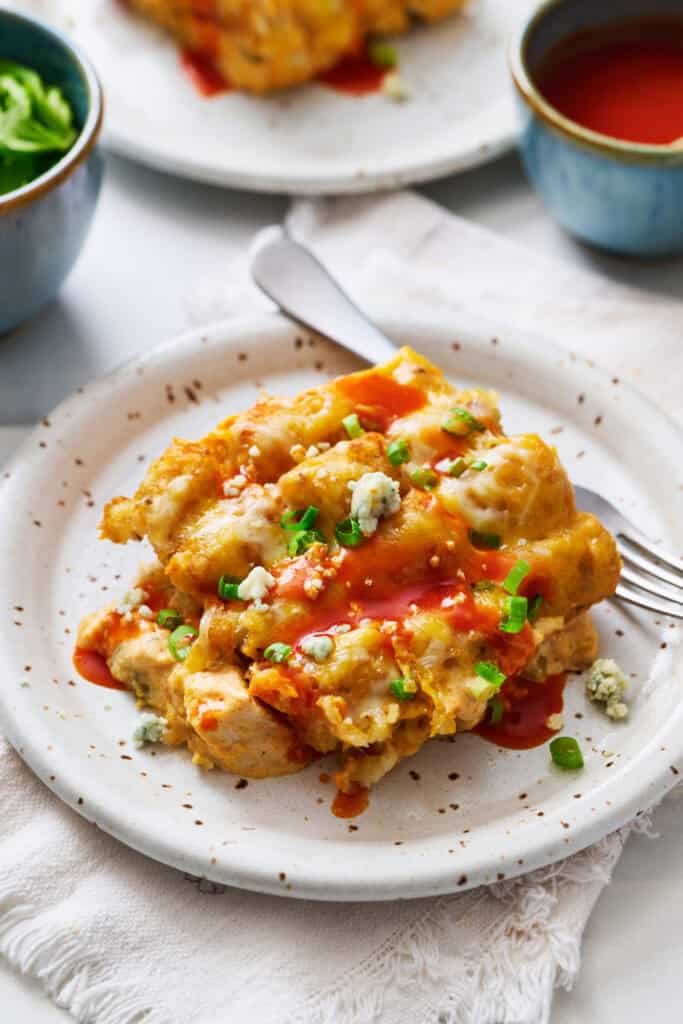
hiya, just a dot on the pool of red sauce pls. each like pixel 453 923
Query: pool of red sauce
pixel 625 81
pixel 527 706
pixel 92 665
pixel 350 805
pixel 354 75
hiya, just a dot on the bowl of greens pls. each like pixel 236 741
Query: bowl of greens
pixel 50 168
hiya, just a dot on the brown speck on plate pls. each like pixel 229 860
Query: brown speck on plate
pixel 298 343
pixel 564 824
pixel 242 356
pixel 597 421
pixel 126 757
pixel 494 341
pixel 674 770
pixel 556 430
pixel 456 346
pixel 241 784
pixel 462 880
pixel 441 810
pixel 37 522
pixel 282 876
pixel 353 828
pixel 523 796
pixel 80 801
pixel 398 842
pixel 187 807
pixel 500 876
pixel 198 822
pixel 580 399
pixel 415 776
pixel 453 776
pixel 191 395
pixel 170 394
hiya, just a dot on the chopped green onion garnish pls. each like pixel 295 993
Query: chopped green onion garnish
pixel 277 652
pixel 352 426
pixel 424 478
pixel 169 618
pixel 291 521
pixel 489 671
pixel 228 587
pixel 484 540
pixel 534 607
pixel 179 642
pixel 461 422
pixel 349 533
pixel 514 620
pixel 483 585
pixel 478 465
pixel 515 576
pixel 457 468
pixel 566 753
pixel 382 55
pixel 402 689
pixel 303 540
pixel 398 452
pixel 496 709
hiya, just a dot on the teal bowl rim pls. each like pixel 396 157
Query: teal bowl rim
pixel 87 139
pixel 595 142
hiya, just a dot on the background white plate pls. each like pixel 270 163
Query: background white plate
pixel 505 813
pixel 311 140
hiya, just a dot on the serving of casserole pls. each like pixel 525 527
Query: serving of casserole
pixel 353 571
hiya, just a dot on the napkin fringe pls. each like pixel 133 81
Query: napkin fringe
pixel 87 989
pixel 508 977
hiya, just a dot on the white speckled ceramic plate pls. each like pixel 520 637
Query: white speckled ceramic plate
pixel 310 140
pixel 458 814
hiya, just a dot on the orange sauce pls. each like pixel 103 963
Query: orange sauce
pixel 381 399
pixel 93 666
pixel 527 706
pixel 203 73
pixel 350 805
pixel 355 75
pixel 625 81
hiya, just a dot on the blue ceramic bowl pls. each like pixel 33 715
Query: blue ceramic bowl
pixel 617 195
pixel 43 225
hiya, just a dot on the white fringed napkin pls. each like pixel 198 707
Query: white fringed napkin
pixel 118 939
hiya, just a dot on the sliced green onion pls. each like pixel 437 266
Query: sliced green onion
pixel 277 652
pixel 491 541
pixel 169 618
pixel 423 478
pixel 457 468
pixel 496 709
pixel 228 587
pixel 534 607
pixel 461 422
pixel 298 520
pixel 349 533
pixel 514 578
pixel 179 641
pixel 398 452
pixel 479 465
pixel 566 753
pixel 402 689
pixel 382 55
pixel 352 426
pixel 303 540
pixel 489 671
pixel 515 615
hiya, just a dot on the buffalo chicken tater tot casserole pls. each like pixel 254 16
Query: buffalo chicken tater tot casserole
pixel 353 571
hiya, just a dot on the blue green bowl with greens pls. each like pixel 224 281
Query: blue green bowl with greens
pixel 50 167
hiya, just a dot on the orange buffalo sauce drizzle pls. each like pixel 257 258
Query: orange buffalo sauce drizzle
pixel 380 400
pixel 92 665
pixel 351 804
pixel 527 707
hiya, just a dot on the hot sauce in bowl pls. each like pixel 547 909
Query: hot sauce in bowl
pixel 624 81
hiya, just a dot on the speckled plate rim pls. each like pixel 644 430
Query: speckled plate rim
pixel 364 871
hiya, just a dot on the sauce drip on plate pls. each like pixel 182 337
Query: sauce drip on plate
pixel 625 81
pixel 349 805
pixel 203 73
pixel 527 707
pixel 93 666
pixel 356 75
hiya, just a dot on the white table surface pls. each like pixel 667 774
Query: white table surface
pixel 155 236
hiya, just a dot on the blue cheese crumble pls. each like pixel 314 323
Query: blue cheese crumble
pixel 607 685
pixel 150 729
pixel 256 586
pixel 374 495
pixel 318 647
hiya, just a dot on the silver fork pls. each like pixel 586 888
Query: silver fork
pixel 650 578
pixel 304 290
